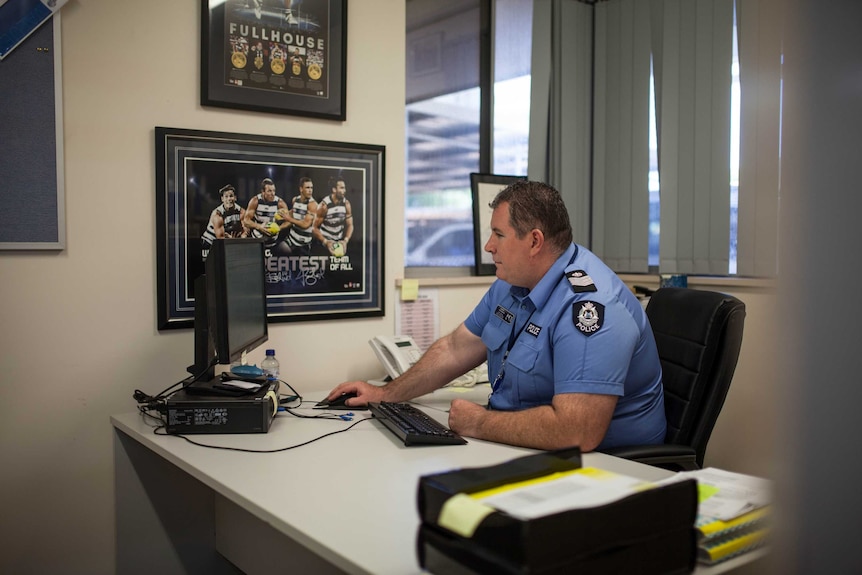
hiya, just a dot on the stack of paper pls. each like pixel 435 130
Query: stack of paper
pixel 733 513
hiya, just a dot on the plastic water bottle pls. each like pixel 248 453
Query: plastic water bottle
pixel 270 365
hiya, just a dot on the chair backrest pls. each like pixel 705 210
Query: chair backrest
pixel 698 334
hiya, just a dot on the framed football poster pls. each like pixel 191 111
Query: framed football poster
pixel 317 205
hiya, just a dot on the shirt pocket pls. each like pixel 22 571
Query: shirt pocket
pixel 521 371
pixel 494 336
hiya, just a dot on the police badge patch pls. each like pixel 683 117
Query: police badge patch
pixel 588 316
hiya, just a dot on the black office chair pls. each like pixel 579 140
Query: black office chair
pixel 698 334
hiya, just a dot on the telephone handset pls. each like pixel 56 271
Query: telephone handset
pixel 396 352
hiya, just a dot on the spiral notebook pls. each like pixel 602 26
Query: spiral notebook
pixel 721 540
pixel 733 513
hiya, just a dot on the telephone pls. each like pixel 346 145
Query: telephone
pixel 398 352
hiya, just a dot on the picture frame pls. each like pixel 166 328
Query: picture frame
pixel 305 281
pixel 279 56
pixel 484 188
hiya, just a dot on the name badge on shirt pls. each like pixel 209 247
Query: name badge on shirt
pixel 504 314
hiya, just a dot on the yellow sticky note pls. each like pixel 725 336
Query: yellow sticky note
pixel 409 289
pixel 462 514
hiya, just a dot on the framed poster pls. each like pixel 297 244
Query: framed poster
pixel 318 206
pixel 282 56
pixel 485 187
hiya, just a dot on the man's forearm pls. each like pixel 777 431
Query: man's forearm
pixel 424 377
pixel 572 419
pixel 437 367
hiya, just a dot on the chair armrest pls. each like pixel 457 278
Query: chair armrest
pixel 667 456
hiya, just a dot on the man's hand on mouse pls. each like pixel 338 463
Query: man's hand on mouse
pixel 365 393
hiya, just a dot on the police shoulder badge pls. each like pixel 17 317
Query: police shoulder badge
pixel 588 316
pixel 580 281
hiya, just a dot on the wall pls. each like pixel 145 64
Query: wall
pixel 79 326
pixel 79 331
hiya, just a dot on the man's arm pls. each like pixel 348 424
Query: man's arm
pixel 286 220
pixel 447 358
pixel 217 222
pixel 348 227
pixel 318 220
pixel 248 217
pixel 245 231
pixel 580 419
pixel 309 218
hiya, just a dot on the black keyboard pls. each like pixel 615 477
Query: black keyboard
pixel 413 426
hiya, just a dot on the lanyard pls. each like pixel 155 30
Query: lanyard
pixel 513 337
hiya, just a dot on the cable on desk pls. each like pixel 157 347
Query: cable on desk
pixel 280 449
pixel 153 400
pixel 152 406
pixel 288 398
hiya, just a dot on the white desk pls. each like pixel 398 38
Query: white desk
pixel 346 503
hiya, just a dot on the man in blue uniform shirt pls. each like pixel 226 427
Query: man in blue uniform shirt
pixel 571 355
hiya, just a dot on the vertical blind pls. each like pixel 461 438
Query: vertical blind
pixel 695 51
pixel 560 105
pixel 590 99
pixel 621 135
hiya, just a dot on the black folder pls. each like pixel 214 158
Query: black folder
pixel 648 532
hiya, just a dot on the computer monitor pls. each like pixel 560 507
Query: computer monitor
pixel 230 305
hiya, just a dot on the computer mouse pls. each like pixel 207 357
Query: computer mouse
pixel 338 403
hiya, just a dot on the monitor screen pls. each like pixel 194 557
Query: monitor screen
pixel 230 304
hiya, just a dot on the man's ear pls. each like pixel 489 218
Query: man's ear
pixel 537 240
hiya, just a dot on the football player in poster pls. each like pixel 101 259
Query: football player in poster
pixel 225 221
pixel 333 226
pixel 261 215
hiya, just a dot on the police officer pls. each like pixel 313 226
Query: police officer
pixel 571 355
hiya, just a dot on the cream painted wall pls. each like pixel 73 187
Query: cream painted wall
pixel 79 326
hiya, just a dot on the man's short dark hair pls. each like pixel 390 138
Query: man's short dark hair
pixel 225 189
pixel 536 205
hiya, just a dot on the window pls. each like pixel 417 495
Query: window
pixel 445 133
pixel 455 126
pixel 733 185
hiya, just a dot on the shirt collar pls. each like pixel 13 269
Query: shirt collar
pixel 540 294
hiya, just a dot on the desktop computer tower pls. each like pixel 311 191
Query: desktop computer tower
pixel 208 409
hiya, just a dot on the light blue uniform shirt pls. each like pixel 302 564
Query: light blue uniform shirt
pixel 587 334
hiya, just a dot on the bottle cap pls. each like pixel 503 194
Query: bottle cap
pixel 270 352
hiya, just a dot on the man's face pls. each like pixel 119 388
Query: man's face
pixel 228 199
pixel 269 192
pixel 340 189
pixel 306 190
pixel 511 254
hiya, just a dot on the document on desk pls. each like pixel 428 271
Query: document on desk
pixel 725 494
pixel 576 489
